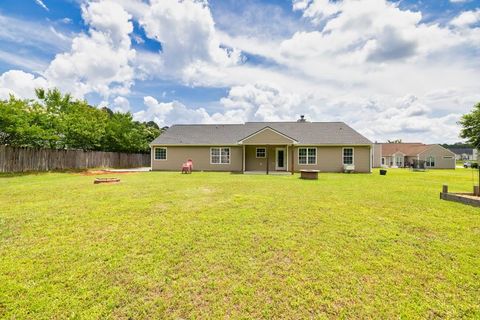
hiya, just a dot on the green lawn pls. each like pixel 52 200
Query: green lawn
pixel 218 245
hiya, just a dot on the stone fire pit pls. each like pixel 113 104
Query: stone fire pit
pixel 309 174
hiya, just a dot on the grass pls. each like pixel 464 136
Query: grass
pixel 218 245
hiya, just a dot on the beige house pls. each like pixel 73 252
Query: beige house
pixel 401 155
pixel 263 147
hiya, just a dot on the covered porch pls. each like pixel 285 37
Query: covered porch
pixel 268 151
pixel 268 159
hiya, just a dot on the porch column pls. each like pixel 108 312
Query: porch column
pixel 293 159
pixel 268 157
pixel 286 156
pixel 243 162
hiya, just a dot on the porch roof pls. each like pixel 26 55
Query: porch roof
pixel 267 135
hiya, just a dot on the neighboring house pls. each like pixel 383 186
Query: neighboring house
pixel 400 155
pixel 263 146
pixel 464 153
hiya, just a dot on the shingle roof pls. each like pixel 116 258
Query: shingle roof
pixel 409 149
pixel 461 150
pixel 306 133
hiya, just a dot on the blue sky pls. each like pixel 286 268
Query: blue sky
pixel 403 69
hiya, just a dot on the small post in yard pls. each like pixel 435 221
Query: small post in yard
pixel 444 191
pixel 445 188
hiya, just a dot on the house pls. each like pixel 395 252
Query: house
pixel 464 153
pixel 400 155
pixel 263 146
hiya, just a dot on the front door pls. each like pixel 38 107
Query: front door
pixel 280 163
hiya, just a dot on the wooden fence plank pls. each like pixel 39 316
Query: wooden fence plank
pixel 17 159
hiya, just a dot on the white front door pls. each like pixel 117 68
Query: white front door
pixel 280 159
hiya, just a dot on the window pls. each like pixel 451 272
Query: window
pixel 347 155
pixel 307 155
pixel 399 161
pixel 430 161
pixel 220 155
pixel 160 153
pixel 447 157
pixel 261 152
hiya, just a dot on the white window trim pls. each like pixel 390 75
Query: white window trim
pixel 229 157
pixel 256 153
pixel 155 154
pixel 307 164
pixel 434 162
pixel 353 156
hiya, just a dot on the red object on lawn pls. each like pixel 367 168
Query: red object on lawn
pixel 187 167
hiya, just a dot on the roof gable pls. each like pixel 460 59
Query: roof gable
pixel 437 149
pixel 408 149
pixel 267 135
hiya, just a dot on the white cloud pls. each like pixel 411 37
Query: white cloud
pixel 187 34
pixel 317 10
pixel 99 61
pixel 29 33
pixel 41 4
pixel 167 113
pixel 121 104
pixel 17 59
pixel 369 63
pixel 466 18
pixel 379 118
pixel 20 84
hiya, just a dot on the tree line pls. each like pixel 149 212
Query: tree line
pixel 58 121
pixel 470 123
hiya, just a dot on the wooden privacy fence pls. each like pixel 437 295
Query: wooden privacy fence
pixel 14 159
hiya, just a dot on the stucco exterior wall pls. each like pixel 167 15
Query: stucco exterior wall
pixel 200 156
pixel 439 153
pixel 377 155
pixel 329 159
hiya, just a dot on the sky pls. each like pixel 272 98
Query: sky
pixel 390 69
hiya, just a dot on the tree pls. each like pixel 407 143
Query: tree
pixel 470 123
pixel 395 141
pixel 26 124
pixel 56 120
pixel 471 126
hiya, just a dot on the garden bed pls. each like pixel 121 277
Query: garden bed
pixel 471 199
pixel 106 180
